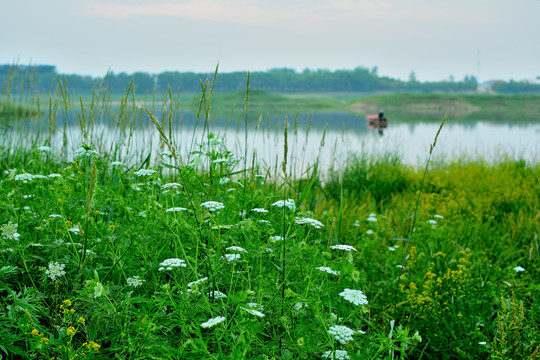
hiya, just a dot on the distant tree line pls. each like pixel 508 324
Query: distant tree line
pixel 20 78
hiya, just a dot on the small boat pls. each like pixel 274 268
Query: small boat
pixel 377 121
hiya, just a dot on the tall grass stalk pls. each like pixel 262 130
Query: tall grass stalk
pixel 415 213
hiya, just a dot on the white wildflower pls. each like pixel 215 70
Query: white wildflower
pixel 224 180
pixel 171 185
pixel 218 161
pixel 9 231
pixel 519 269
pixel 174 209
pixel 438 216
pixel 141 214
pixel 343 247
pixel 263 221
pixel 276 238
pixel 336 355
pixel 98 289
pixel 197 282
pixel 372 219
pixel 145 172
pixel 25 177
pixel 289 203
pixel 327 270
pixel 391 248
pixel 169 264
pixel 259 210
pixel 213 321
pixel 432 222
pixel 369 232
pixel 85 150
pixel 253 312
pixel 315 223
pixel 255 306
pixel 236 248
pixel 356 297
pixel 213 205
pixel 44 148
pixel 341 333
pixel 356 223
pixel 231 257
pixel 89 252
pixel 216 294
pixel 135 281
pixel 55 271
pixel 116 163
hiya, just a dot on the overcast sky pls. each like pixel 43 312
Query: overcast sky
pixel 490 39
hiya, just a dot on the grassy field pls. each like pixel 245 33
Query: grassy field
pixel 205 256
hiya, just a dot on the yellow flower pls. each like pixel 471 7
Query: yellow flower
pixel 67 302
pixel 112 227
pixel 34 332
pixel 72 311
pixel 60 201
pixel 92 345
pixel 71 331
pixel 44 340
pixel 81 320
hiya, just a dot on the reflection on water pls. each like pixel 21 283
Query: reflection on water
pixel 346 134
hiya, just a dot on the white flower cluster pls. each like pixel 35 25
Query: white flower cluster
pixel 116 163
pixel 336 355
pixel 259 210
pixel 276 238
pixel 213 205
pixel 343 247
pixel 55 271
pixel 231 257
pixel 236 248
pixel 25 177
pixel 175 209
pixel 216 294
pixel 356 297
pixel 224 180
pixel 169 264
pixel 85 150
pixel 44 148
pixel 196 282
pixel 170 185
pixel 519 269
pixel 144 172
pixel 289 203
pixel 135 281
pixel 328 270
pixel 213 321
pixel 315 223
pixel 372 218
pixel 9 231
pixel 341 333
pixel 255 306
pixel 253 312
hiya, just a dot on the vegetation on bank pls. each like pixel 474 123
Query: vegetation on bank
pixel 102 259
pixel 175 251
pixel 426 107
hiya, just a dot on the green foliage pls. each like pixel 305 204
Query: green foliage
pixel 84 234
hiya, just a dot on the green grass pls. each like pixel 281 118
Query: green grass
pixel 85 232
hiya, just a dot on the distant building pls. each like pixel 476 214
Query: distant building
pixel 486 87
